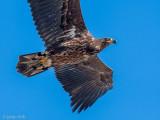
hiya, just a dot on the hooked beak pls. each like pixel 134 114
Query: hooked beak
pixel 114 41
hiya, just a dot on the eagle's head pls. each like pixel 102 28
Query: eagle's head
pixel 107 41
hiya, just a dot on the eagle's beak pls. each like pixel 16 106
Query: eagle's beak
pixel 114 41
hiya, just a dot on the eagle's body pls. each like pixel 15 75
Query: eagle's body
pixel 75 50
pixel 71 50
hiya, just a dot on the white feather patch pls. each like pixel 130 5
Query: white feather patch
pixel 71 33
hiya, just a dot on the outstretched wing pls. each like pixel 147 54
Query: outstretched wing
pixel 55 18
pixel 85 82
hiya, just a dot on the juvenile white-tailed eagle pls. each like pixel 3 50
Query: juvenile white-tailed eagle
pixel 71 50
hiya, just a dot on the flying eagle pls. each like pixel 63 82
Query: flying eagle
pixel 71 50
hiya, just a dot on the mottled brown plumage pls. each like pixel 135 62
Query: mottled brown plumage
pixel 71 50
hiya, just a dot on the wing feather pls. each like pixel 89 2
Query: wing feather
pixel 85 82
pixel 54 17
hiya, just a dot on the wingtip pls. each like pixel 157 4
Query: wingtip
pixel 80 110
pixel 73 110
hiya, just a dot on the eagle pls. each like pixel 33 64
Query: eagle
pixel 71 50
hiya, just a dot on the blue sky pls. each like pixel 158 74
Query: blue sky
pixel 135 61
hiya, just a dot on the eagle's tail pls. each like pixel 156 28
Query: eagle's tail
pixel 34 63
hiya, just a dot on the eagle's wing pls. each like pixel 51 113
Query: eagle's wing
pixel 57 20
pixel 85 82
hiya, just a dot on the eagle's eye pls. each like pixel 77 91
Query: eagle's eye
pixel 108 39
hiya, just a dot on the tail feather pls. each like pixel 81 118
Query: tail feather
pixel 32 64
